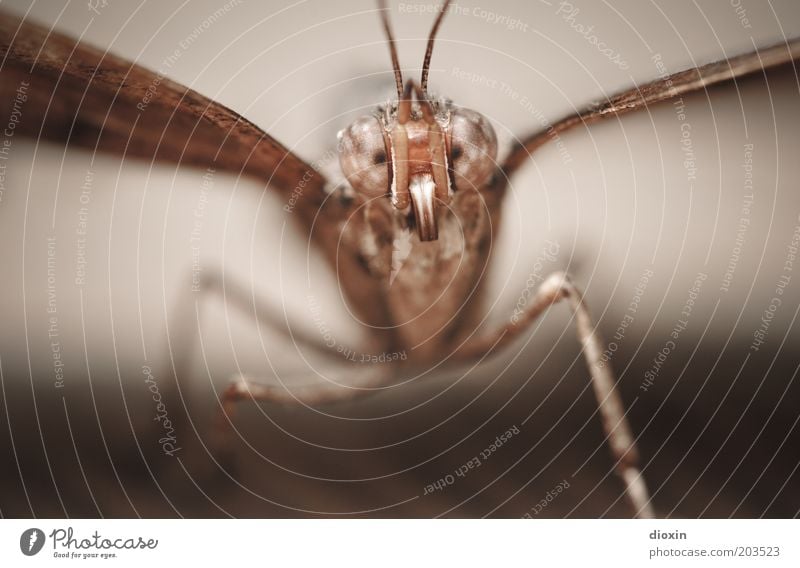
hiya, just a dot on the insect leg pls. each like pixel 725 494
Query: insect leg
pixel 184 320
pixel 315 394
pixel 184 326
pixel 555 288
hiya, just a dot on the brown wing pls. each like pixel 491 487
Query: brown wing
pixel 80 95
pixel 657 91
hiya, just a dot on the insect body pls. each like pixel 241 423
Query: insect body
pixel 433 161
pixel 438 162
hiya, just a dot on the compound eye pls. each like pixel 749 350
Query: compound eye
pixel 363 157
pixel 472 146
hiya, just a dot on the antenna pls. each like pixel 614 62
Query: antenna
pixel 387 28
pixel 426 64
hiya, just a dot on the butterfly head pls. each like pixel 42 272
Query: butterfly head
pixel 416 151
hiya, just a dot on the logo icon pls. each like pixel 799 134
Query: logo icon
pixel 31 541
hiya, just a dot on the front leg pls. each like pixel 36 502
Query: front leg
pixel 316 394
pixel 555 288
pixel 185 321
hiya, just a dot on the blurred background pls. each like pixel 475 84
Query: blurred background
pixel 688 204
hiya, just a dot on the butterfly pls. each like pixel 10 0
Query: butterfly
pixel 408 230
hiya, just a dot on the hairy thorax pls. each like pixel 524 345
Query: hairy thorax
pixel 431 290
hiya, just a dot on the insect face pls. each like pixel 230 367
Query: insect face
pixel 417 151
pixel 418 155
